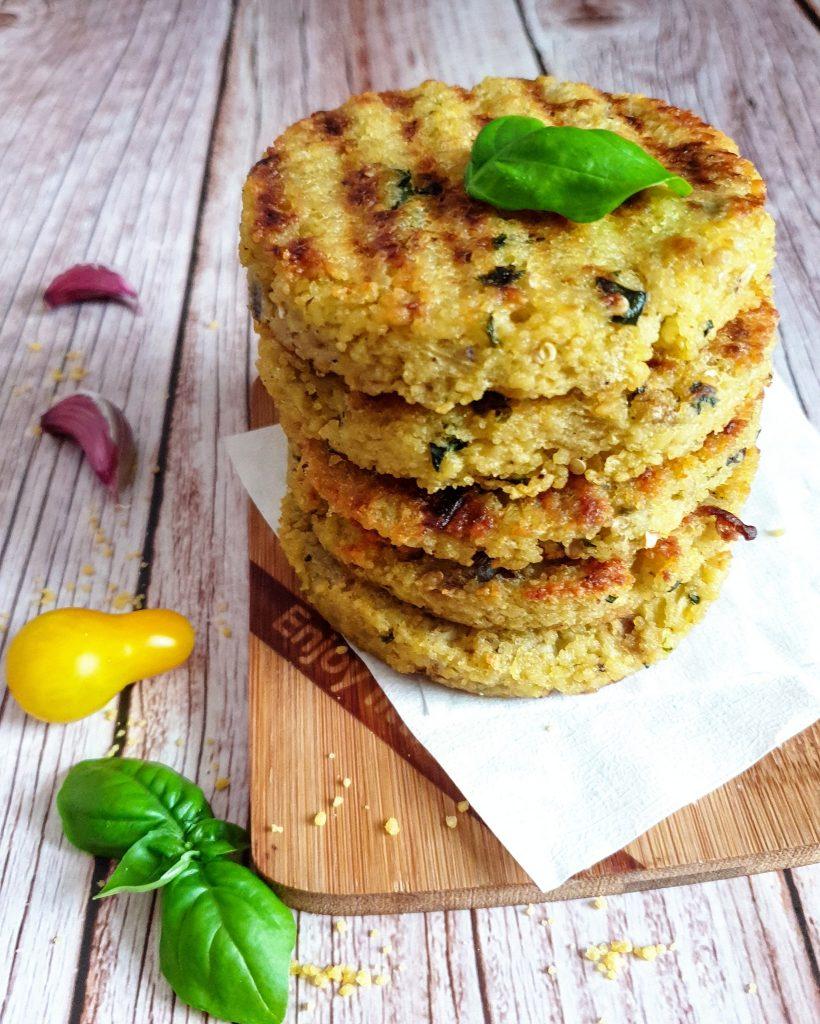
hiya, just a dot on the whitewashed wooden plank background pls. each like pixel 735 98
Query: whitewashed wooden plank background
pixel 125 131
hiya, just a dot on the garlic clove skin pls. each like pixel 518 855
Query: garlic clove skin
pixel 86 282
pixel 100 428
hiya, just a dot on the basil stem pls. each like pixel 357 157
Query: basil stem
pixel 149 864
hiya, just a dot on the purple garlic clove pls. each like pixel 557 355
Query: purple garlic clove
pixel 100 428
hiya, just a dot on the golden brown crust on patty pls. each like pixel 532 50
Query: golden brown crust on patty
pixel 496 662
pixel 583 520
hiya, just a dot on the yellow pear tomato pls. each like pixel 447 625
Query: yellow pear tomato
pixel 66 664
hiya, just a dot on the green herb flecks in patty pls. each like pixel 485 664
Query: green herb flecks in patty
pixel 438 451
pixel 634 298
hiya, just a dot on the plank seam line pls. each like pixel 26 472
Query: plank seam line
pixel 802 924
pixel 808 10
pixel 536 52
pixel 144 578
pixel 481 969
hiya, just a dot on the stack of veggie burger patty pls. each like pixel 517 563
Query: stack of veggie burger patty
pixel 519 442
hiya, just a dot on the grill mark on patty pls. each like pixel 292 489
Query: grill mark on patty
pixel 445 227
pixel 302 256
pixel 555 110
pixel 332 123
pixel 272 211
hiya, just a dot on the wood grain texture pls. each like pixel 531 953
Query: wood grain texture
pixel 116 173
pixel 104 133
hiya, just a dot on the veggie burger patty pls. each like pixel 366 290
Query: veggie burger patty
pixel 519 443
pixel 366 255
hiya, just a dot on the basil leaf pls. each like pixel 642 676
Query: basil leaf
pixel 150 863
pixel 519 163
pixel 109 804
pixel 213 838
pixel 226 943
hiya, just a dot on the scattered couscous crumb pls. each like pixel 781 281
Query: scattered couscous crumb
pixel 57 375
pixel 87 570
pixel 226 631
pixel 463 806
pixel 35 430
pixel 109 714
pixel 380 979
pixel 320 818
pixel 347 989
pixel 392 827
pixel 122 601
pixel 337 801
pixel 277 828
pixel 46 596
pixel 113 749
pixel 35 346
pixel 222 783
pixel 529 910
pixel 179 741
pixel 346 783
pixel 599 903
pixel 751 988
pixel 608 956
pixel 213 325
pixel 306 1007
pixel 340 926
pixel 74 355
pixel 77 373
pixel 778 531
pixel 551 970
pixel 363 978
pixel 451 821
pixel 340 649
pixel 331 755
pixel 373 933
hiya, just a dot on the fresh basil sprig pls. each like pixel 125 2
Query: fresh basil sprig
pixel 226 939
pixel 519 163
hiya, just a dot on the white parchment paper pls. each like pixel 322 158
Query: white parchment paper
pixel 565 781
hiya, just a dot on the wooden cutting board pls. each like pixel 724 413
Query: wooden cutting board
pixel 317 717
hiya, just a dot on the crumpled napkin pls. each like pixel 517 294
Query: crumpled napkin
pixel 565 781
